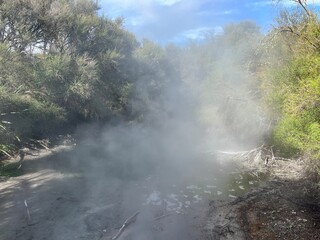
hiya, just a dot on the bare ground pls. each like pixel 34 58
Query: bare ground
pixel 49 201
pixel 287 206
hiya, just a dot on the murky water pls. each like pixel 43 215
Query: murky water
pixel 173 208
pixel 74 198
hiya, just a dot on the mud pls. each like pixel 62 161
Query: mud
pixel 286 206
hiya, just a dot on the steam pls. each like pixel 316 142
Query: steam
pixel 159 164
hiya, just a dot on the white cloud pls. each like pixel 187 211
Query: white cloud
pixel 286 3
pixel 227 12
pixel 115 8
pixel 165 20
pixel 135 21
pixel 198 33
pixel 168 2
pixel 217 13
pixel 261 3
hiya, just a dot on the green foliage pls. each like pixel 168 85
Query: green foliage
pixel 298 134
pixel 288 136
pixel 5 149
pixel 10 169
pixel 153 68
pixel 62 63
pixel 16 70
pixel 23 118
pixel 292 86
pixel 298 88
pixel 28 117
pixel 155 75
pixel 67 82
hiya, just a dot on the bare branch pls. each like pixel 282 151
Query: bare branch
pixel 303 4
pixel 291 30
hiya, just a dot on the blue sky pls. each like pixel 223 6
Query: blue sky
pixel 178 21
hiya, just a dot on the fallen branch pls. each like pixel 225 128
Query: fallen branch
pixel 251 155
pixel 126 223
pixel 162 216
pixel 28 212
pixel 282 159
pixel 20 165
pixel 272 154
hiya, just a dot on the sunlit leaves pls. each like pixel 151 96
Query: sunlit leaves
pixel 293 86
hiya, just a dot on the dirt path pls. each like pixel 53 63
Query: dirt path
pixel 35 202
pixel 56 198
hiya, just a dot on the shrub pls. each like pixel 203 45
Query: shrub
pixel 28 118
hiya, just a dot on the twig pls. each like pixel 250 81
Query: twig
pixel 20 165
pixel 28 212
pixel 126 223
pixel 272 154
pixel 251 155
pixel 282 159
pixel 162 216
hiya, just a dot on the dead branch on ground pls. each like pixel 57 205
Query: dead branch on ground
pixel 28 212
pixel 126 223
pixel 162 216
pixel 254 155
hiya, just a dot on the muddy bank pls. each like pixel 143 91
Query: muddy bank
pixel 285 207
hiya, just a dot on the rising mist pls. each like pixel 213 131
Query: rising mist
pixel 187 105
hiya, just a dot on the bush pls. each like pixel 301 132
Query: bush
pixel 299 87
pixel 26 117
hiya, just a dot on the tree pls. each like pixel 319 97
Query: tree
pixel 59 58
pixel 292 86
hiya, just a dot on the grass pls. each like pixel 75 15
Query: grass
pixel 10 169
